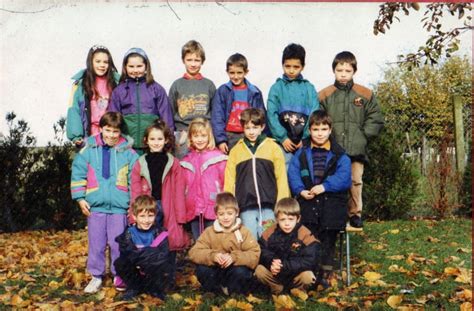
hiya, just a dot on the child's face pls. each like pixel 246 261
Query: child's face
pixel 237 75
pixel 252 131
pixel 226 217
pixel 319 134
pixel 135 67
pixel 200 140
pixel 292 68
pixel 344 72
pixel 287 222
pixel 192 63
pixel 100 63
pixel 145 219
pixel 110 135
pixel 156 140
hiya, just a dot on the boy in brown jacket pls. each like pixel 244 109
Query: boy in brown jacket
pixel 226 253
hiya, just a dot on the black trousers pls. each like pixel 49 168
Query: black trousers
pixel 237 279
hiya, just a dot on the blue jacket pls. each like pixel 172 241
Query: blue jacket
pixel 78 114
pixel 222 105
pixel 112 195
pixel 329 209
pixel 289 105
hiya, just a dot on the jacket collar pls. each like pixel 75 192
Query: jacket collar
pixel 218 228
pixel 197 76
pixel 125 142
pixel 344 87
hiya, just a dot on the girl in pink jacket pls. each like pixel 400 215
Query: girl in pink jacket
pixel 203 168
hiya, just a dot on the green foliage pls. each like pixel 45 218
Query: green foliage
pixel 390 181
pixel 35 181
pixel 420 101
pixel 466 191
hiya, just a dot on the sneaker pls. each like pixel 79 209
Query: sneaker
pixel 130 294
pixel 356 221
pixel 93 286
pixel 225 290
pixel 119 284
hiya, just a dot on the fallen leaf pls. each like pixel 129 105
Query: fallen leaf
pixel 432 239
pixel 434 281
pixel 394 300
pixel 299 293
pixel 252 299
pixel 396 257
pixel 215 308
pixel 451 271
pixel 467 306
pixel 176 297
pixel 53 285
pixel 28 278
pixel 283 302
pixel 463 250
pixel 464 276
pixel 395 231
pixel 372 276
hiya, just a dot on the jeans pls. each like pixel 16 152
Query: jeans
pixel 256 224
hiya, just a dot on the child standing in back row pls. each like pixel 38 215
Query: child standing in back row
pixel 357 118
pixel 203 176
pixel 90 96
pixel 230 100
pixel 190 95
pixel 291 101
pixel 139 98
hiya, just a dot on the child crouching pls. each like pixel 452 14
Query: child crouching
pixel 144 254
pixel 289 251
pixel 226 253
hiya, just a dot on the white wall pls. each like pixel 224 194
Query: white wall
pixel 44 46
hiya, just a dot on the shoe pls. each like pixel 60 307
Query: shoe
pixel 130 294
pixel 93 286
pixel 119 284
pixel 356 221
pixel 225 290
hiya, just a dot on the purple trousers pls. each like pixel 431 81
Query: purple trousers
pixel 102 230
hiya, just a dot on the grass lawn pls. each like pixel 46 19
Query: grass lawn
pixel 415 265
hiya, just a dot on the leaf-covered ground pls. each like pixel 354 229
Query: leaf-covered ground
pixel 405 265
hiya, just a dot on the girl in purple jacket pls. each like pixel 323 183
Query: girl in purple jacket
pixel 204 168
pixel 139 98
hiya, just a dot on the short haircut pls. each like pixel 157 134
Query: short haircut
pixel 287 206
pixel 192 46
pixel 237 60
pixel 226 200
pixel 198 125
pixel 142 203
pixel 294 51
pixel 319 117
pixel 254 115
pixel 345 57
pixel 160 125
pixel 112 119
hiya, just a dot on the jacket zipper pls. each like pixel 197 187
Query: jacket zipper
pixel 139 112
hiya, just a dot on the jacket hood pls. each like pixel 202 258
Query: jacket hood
pixel 125 142
pixel 250 86
pixel 335 147
pixel 218 228
pixel 285 79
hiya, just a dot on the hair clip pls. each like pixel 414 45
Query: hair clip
pixel 98 47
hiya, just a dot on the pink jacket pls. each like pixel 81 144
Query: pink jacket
pixel 172 198
pixel 204 179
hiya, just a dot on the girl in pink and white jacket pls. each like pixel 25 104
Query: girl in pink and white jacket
pixel 204 168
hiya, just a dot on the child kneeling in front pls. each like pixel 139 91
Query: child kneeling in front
pixel 289 251
pixel 144 260
pixel 226 253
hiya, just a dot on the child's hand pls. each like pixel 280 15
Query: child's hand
pixel 288 145
pixel 276 266
pixel 227 261
pixel 85 207
pixel 78 142
pixel 318 189
pixel 224 148
pixel 307 195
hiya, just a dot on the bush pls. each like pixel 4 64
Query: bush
pixel 390 181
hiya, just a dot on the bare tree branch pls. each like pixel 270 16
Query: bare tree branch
pixel 225 8
pixel 27 12
pixel 172 10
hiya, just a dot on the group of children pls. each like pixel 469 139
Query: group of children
pixel 218 163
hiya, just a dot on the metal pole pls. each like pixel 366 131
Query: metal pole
pixel 459 134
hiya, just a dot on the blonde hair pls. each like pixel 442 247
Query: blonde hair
pixel 226 200
pixel 142 203
pixel 287 206
pixel 199 125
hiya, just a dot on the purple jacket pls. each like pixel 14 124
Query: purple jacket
pixel 141 104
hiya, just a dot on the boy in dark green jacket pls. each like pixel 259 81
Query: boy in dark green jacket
pixel 356 119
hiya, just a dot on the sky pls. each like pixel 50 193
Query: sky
pixel 44 43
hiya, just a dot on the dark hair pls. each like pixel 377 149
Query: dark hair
pixel 237 60
pixel 294 51
pixel 139 53
pixel 287 206
pixel 88 78
pixel 192 46
pixel 112 119
pixel 319 117
pixel 161 126
pixel 254 115
pixel 226 200
pixel 142 203
pixel 345 57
